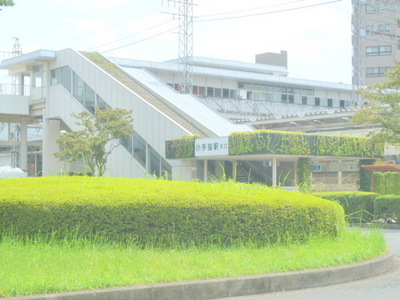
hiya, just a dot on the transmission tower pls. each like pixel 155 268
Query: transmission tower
pixel 367 17
pixel 185 47
pixel 16 51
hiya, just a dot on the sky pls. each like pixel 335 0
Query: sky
pixel 316 33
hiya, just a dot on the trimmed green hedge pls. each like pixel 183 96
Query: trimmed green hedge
pixel 282 142
pixel 162 212
pixel 358 206
pixel 298 143
pixel 387 206
pixel 386 183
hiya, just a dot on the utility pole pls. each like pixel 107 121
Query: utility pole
pixel 16 51
pixel 185 47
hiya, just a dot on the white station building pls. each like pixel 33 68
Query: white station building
pixel 49 86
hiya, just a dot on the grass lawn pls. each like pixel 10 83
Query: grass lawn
pixel 39 266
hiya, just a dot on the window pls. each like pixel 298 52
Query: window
pixel 66 73
pixel 377 71
pixel 317 101
pixel 342 103
pixel 284 98
pixel 291 99
pixel 79 87
pixel 210 91
pixel 330 102
pixel 304 100
pixel 378 29
pixel 379 50
pixel 377 8
pixel 37 76
pixel 225 93
pixel 55 76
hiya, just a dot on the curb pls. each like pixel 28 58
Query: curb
pixel 232 286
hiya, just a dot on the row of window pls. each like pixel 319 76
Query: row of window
pixel 378 29
pixel 282 94
pixel 249 91
pixel 379 50
pixel 378 8
pixel 135 145
pixel 79 89
pixel 377 71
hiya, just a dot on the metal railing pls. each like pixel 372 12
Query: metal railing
pixel 12 89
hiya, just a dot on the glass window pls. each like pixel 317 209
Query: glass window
pixel 37 76
pixel 217 92
pixel 233 94
pixel 291 98
pixel 66 78
pixel 202 91
pixel 304 100
pixel 330 102
pixel 317 101
pixel 210 91
pixel 90 99
pixel 225 93
pixel 377 71
pixel 342 103
pixel 55 76
pixel 79 88
pixel 284 98
pixel 379 50
pixel 100 103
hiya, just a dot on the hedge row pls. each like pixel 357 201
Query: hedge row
pixel 161 212
pixel 386 183
pixel 387 206
pixel 298 143
pixel 358 206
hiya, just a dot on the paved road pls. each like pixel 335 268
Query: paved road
pixel 385 287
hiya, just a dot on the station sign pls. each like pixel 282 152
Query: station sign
pixel 211 146
pixel 336 166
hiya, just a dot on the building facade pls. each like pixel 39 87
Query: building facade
pixel 52 85
pixel 376 37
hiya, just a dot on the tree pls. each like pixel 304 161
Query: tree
pixel 6 3
pixel 383 108
pixel 98 138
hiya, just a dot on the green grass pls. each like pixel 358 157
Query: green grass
pixel 46 266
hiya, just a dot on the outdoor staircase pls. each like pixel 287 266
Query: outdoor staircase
pixel 141 91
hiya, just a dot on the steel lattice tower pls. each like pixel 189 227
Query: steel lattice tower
pixel 185 47
pixel 16 51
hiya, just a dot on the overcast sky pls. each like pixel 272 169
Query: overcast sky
pixel 316 33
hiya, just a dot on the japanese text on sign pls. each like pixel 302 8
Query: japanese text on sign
pixel 211 146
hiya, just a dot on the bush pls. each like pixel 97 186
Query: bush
pixel 387 183
pixel 165 213
pixel 387 207
pixel 358 206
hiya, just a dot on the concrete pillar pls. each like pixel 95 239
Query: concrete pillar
pixel 23 146
pixel 274 171
pixel 205 170
pixel 234 171
pixel 51 132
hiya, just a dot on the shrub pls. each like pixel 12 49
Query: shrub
pixel 387 206
pixel 387 183
pixel 358 206
pixel 164 212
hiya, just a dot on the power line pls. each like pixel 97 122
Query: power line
pixel 133 34
pixel 169 30
pixel 251 9
pixel 270 12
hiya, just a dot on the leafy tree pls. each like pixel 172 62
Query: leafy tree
pixel 6 3
pixel 98 138
pixel 383 108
